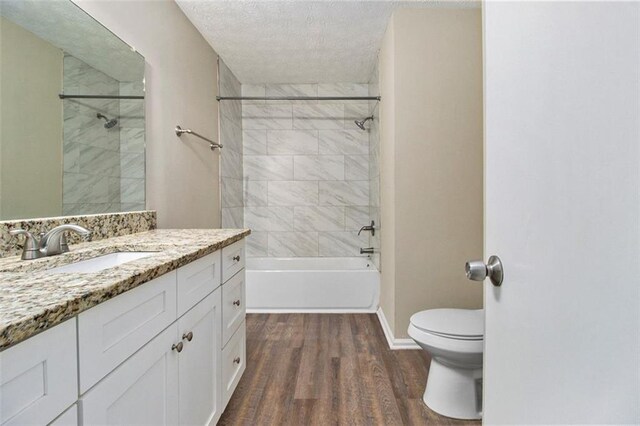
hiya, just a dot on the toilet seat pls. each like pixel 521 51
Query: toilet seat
pixel 459 324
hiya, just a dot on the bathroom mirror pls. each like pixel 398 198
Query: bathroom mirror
pixel 71 114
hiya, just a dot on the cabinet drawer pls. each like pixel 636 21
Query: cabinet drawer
pixel 233 305
pixel 68 418
pixel 143 390
pixel 38 377
pixel 233 363
pixel 196 280
pixel 112 331
pixel 232 260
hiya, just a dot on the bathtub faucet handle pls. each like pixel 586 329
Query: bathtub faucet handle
pixel 371 228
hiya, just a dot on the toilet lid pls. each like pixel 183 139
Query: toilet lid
pixel 464 323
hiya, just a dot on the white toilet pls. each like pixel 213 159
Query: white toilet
pixel 454 339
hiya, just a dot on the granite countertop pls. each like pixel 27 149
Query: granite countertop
pixel 33 300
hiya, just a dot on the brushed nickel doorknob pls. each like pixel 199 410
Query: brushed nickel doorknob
pixel 236 258
pixel 177 347
pixel 236 302
pixel 188 336
pixel 236 360
pixel 477 270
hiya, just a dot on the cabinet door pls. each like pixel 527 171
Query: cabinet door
pixel 199 362
pixel 143 390
pixel 38 377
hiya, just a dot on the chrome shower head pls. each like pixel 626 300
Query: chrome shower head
pixel 360 123
pixel 108 123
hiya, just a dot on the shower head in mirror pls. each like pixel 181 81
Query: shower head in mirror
pixel 108 123
pixel 360 123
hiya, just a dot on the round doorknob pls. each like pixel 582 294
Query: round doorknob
pixel 236 302
pixel 177 347
pixel 236 360
pixel 477 270
pixel 188 336
pixel 236 258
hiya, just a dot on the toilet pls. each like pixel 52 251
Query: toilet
pixel 454 340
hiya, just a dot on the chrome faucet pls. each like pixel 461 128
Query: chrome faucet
pixel 52 243
pixel 371 228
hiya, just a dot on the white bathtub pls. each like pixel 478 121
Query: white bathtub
pixel 312 284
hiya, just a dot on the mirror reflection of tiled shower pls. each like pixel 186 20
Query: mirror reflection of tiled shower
pixel 104 143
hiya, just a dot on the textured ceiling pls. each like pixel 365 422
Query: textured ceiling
pixel 298 41
pixel 68 27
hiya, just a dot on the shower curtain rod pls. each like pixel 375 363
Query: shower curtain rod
pixel 298 98
pixel 63 96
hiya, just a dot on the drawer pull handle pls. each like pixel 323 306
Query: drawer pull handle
pixel 188 336
pixel 236 302
pixel 236 360
pixel 177 347
pixel 236 258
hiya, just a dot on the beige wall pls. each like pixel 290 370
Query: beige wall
pixel 31 125
pixel 181 86
pixel 432 124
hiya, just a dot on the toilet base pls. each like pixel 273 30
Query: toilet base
pixel 454 392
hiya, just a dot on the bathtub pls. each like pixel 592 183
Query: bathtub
pixel 312 284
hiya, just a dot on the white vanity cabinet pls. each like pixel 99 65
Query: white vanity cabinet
pixel 168 352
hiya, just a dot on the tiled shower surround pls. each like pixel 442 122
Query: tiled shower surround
pixel 306 171
pixel 103 168
pixel 374 167
pixel 231 185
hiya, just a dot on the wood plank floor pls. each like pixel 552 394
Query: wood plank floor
pixel 328 369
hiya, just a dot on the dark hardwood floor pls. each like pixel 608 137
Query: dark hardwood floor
pixel 328 369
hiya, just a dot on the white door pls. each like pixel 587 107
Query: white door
pixel 199 362
pixel 141 391
pixel 562 212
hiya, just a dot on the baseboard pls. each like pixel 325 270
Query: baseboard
pixel 394 344
pixel 308 311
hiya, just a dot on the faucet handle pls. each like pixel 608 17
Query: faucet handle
pixel 31 249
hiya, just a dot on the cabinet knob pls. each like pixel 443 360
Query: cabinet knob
pixel 188 336
pixel 236 258
pixel 236 302
pixel 177 347
pixel 236 360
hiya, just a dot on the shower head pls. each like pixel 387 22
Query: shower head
pixel 360 123
pixel 108 123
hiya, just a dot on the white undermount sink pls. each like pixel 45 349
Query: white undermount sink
pixel 103 262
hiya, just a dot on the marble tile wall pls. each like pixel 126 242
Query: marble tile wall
pixel 104 169
pixel 132 148
pixel 306 171
pixel 91 180
pixel 231 169
pixel 374 168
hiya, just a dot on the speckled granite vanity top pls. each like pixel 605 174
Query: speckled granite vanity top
pixel 33 299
